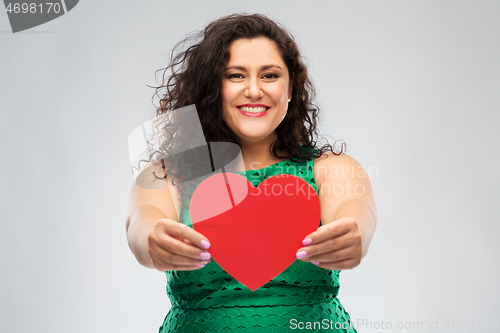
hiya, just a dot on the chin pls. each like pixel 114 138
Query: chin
pixel 254 135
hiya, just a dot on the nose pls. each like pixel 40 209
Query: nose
pixel 253 89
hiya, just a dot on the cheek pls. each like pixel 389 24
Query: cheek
pixel 281 94
pixel 229 91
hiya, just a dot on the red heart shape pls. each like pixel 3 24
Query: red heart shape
pixel 254 232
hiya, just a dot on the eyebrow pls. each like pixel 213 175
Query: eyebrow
pixel 243 68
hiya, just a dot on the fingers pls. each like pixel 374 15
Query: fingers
pixel 334 229
pixel 180 248
pixel 331 237
pixel 182 231
pixel 175 246
pixel 187 241
pixel 337 245
pixel 327 246
pixel 334 256
pixel 165 266
pixel 174 251
pixel 339 265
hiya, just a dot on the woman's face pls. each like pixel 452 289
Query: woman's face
pixel 255 90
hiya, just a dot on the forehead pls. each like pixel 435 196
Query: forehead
pixel 254 52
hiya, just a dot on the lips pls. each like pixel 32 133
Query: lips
pixel 253 112
pixel 253 105
pixel 253 108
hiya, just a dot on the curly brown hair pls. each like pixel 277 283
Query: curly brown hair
pixel 196 68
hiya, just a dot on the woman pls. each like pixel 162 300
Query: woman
pixel 250 87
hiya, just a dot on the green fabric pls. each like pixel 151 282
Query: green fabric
pixel 210 300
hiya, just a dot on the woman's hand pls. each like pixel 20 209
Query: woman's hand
pixel 175 246
pixel 336 245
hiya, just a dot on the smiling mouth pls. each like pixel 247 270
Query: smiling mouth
pixel 258 109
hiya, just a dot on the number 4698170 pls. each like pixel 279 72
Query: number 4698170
pixel 33 8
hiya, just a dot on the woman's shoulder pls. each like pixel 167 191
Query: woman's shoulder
pixel 333 165
pixel 329 158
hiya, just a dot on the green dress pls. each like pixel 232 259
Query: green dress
pixel 302 297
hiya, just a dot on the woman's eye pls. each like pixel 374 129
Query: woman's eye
pixel 271 76
pixel 235 76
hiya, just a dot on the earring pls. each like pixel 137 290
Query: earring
pixel 289 100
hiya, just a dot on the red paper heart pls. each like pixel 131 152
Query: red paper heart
pixel 254 232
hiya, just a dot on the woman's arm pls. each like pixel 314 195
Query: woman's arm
pixel 155 235
pixel 348 214
pixel 141 220
pixel 362 213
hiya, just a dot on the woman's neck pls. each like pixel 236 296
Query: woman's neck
pixel 258 155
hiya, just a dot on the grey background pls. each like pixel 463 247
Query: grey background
pixel 411 86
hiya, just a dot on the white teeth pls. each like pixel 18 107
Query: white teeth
pixel 252 109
